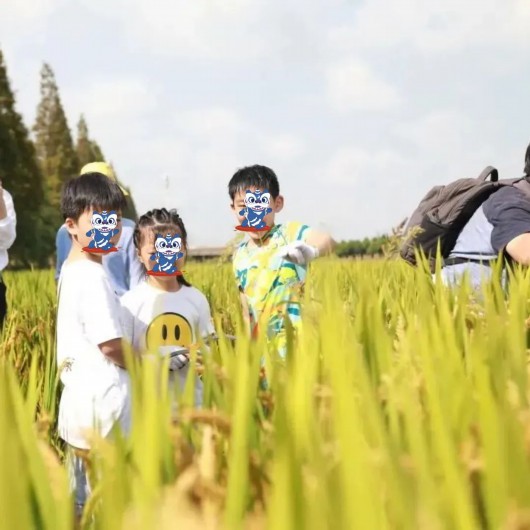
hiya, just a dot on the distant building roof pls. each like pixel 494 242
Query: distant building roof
pixel 199 252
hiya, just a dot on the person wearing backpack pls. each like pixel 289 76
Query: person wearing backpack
pixel 488 219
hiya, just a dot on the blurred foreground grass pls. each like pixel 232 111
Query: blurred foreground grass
pixel 402 406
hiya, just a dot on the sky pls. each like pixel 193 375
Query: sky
pixel 358 106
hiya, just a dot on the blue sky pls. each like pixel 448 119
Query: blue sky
pixel 359 107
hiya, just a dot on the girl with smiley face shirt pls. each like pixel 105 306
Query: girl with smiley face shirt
pixel 165 313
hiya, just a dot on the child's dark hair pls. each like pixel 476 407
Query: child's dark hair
pixel 91 190
pixel 161 221
pixel 527 161
pixel 260 177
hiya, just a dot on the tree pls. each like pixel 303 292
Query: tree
pixel 87 149
pixel 55 153
pixel 53 140
pixel 21 176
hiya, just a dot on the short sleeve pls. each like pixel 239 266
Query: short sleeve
pixel 236 269
pixel 206 326
pixel 134 265
pixel 100 311
pixel 8 223
pixel 62 247
pixel 127 319
pixel 508 211
pixel 296 231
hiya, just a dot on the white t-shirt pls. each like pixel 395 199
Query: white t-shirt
pixel 97 392
pixel 155 320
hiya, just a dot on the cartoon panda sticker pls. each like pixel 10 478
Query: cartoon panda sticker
pixel 104 228
pixel 257 206
pixel 167 253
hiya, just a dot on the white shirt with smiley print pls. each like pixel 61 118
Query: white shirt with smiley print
pixel 155 320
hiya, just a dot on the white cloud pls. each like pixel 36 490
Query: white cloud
pixel 253 81
pixel 115 99
pixel 283 146
pixel 117 111
pixel 352 85
pixel 29 9
pixel 436 25
pixel 228 29
pixel 210 121
pixel 356 167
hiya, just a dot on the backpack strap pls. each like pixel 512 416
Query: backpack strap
pixel 523 184
pixel 487 172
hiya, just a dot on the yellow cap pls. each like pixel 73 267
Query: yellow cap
pixel 104 169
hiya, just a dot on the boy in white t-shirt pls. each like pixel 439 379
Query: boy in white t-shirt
pixel 96 393
pixel 165 314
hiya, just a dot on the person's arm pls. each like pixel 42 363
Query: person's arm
pixel 128 325
pixel 206 326
pixel 8 220
pixel 63 244
pixel 306 244
pixel 113 351
pixel 508 211
pixel 519 249
pixel 322 241
pixel 101 315
pixel 134 268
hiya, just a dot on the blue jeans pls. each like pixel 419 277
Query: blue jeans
pixel 452 275
pixel 79 483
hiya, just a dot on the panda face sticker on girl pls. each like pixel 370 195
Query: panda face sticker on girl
pixel 167 253
pixel 169 245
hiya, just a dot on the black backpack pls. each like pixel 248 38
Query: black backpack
pixel 445 210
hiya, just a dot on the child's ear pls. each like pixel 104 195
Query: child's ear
pixel 71 226
pixel 278 204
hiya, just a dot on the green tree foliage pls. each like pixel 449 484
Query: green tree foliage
pixel 130 211
pixel 362 247
pixel 55 153
pixel 21 176
pixel 87 149
pixel 53 140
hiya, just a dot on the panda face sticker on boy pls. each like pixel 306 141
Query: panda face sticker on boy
pixel 167 253
pixel 104 228
pixel 257 206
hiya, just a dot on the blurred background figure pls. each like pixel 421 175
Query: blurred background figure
pixel 123 268
pixel 8 221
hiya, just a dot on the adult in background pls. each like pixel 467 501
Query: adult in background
pixel 123 268
pixel 8 222
pixel 500 225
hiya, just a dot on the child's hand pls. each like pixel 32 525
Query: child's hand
pixel 179 361
pixel 299 252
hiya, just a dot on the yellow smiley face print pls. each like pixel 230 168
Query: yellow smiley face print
pixel 168 330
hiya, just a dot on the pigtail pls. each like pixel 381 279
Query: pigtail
pixel 177 220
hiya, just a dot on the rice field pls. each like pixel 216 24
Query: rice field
pixel 402 405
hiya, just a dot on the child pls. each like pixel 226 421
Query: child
pixel 96 390
pixel 165 313
pixel 271 265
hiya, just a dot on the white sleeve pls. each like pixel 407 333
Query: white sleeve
pixel 100 312
pixel 8 223
pixel 127 319
pixel 206 326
